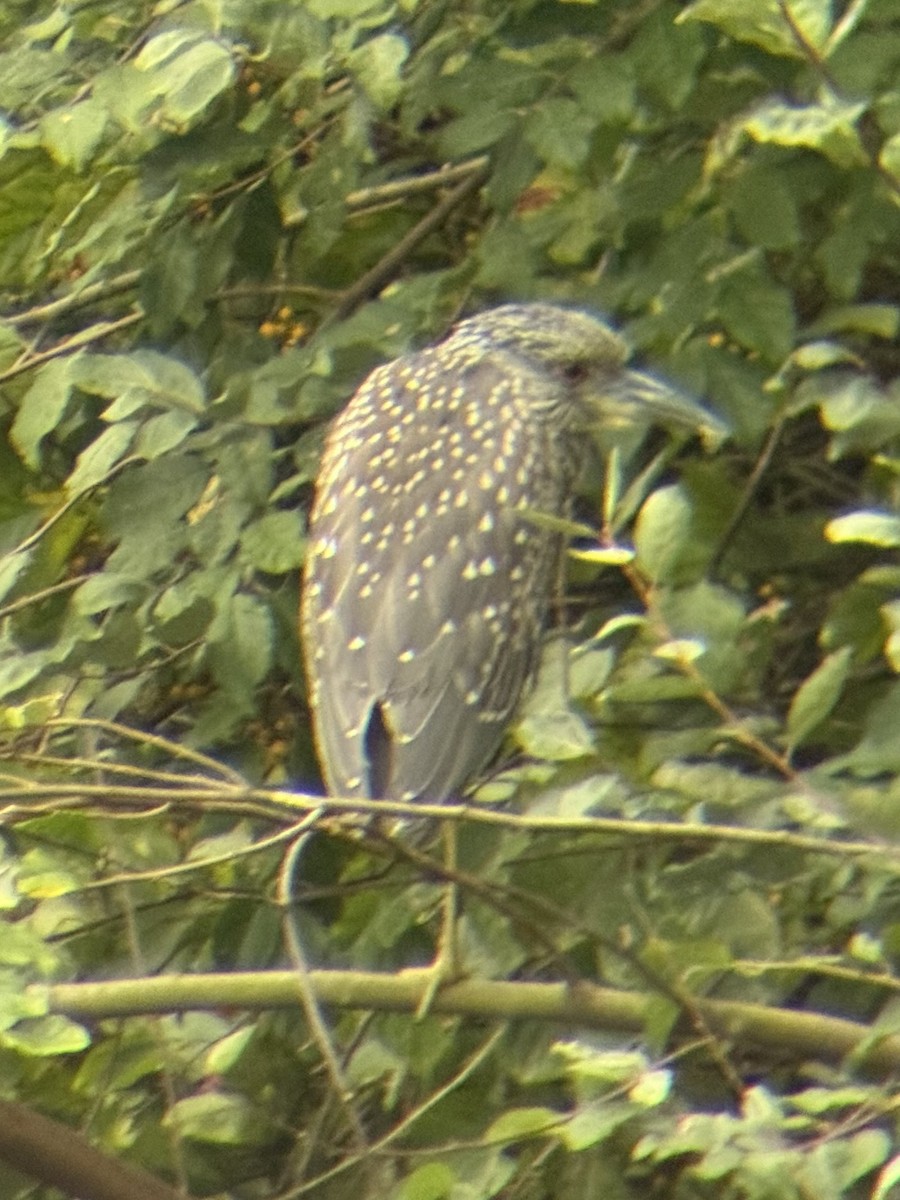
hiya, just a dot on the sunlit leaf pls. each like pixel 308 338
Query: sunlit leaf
pixel 42 408
pixel 519 1123
pixel 46 1037
pixel 779 29
pixel 828 127
pixel 878 529
pixel 219 1119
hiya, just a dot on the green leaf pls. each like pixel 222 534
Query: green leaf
pixel 714 617
pixel 73 134
pixel 47 884
pixel 662 531
pixel 878 749
pixel 875 528
pixel 758 312
pixel 584 1060
pixel 680 650
pixel 347 10
pixel 142 377
pixel 607 92
pixel 43 406
pixel 856 409
pixel 548 727
pixel 889 156
pixel 891 616
pixel 240 647
pixel 377 64
pixel 559 132
pixel 652 688
pixel 822 1100
pixel 22 946
pixel 517 1124
pixel 20 669
pixel 651 1089
pixel 476 130
pixel 166 488
pixel 841 1164
pixel 816 356
pixel 13 566
pixel 218 1119
pixel 817 695
pixel 606 556
pixel 94 463
pixel 181 614
pixel 878 320
pixel 593 1123
pixel 765 208
pixel 229 1050
pixel 614 624
pixel 185 73
pixel 555 736
pixel 275 543
pixel 708 783
pixel 46 1037
pixel 18 1002
pixel 432 1181
pixel 767 23
pixel 162 433
pixel 221 845
pixel 589 669
pixel 828 127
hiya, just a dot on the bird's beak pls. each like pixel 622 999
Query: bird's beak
pixel 636 400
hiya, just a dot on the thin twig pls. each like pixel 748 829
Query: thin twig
pixel 759 469
pixel 75 300
pixel 240 291
pixel 375 278
pixel 60 512
pixel 154 875
pixel 77 341
pixel 414 185
pixel 158 742
pixel 274 805
pixel 319 1030
pixel 472 1063
pixel 733 725
pixel 671 984
pixel 248 182
pixel 36 597
pixel 126 770
pixel 805 46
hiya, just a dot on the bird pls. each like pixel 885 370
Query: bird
pixel 430 572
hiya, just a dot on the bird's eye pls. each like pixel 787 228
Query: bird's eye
pixel 575 372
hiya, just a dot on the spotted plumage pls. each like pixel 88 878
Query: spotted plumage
pixel 427 580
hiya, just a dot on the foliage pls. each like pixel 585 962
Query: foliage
pixel 213 222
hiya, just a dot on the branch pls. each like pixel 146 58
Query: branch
pixel 24 798
pixel 400 189
pixel 375 279
pixel 392 192
pixel 75 300
pixel 585 1005
pixel 56 1155
pixel 84 337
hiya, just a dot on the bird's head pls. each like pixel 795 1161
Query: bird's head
pixel 589 359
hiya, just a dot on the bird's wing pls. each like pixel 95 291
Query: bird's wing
pixel 413 613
